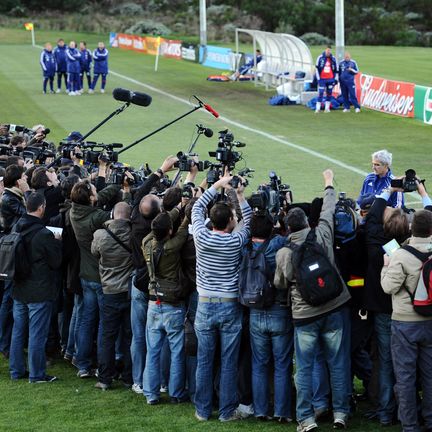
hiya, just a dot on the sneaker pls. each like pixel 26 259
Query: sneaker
pixel 136 388
pixel 339 424
pixel 346 110
pixel 357 110
pixel 26 375
pixel 235 415
pixel 102 91
pixel 283 419
pixel 163 389
pixel 102 386
pixel 43 92
pixel 317 111
pixel 68 357
pixel 200 418
pixel 52 91
pixel 176 400
pixel 45 379
pixel 327 110
pixel 91 91
pixel 84 374
pixel 153 401
pixel 308 428
pixel 58 91
pixel 72 93
pixel 245 410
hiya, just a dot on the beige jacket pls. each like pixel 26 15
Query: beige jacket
pixel 404 272
pixel 284 276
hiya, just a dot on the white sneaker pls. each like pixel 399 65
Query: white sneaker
pixel 77 93
pixel 327 110
pixel 136 388
pixel 339 424
pixel 357 110
pixel 102 91
pixel 346 110
pixel 200 418
pixel 245 410
pixel 72 93
pixel 308 428
pixel 163 389
pixel 236 415
pixel 317 111
pixel 58 91
pixel 91 91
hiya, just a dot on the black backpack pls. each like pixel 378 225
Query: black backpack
pixel 256 289
pixel 345 223
pixel 15 260
pixel 317 280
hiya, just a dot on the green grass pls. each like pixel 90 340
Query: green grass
pixel 72 404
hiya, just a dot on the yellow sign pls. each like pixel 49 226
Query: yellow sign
pixel 28 26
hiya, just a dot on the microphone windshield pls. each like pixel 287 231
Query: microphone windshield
pixel 122 95
pixel 208 132
pixel 141 99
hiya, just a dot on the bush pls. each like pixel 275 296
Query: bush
pixel 128 9
pixel 149 27
pixel 315 39
pixel 408 38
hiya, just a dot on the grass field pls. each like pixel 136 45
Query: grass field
pixel 71 404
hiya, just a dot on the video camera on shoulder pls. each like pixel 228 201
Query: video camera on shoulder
pixel 105 152
pixel 186 162
pixel 224 152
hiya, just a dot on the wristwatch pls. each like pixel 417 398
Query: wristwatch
pixel 159 171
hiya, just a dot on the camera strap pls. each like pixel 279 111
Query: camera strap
pixel 116 238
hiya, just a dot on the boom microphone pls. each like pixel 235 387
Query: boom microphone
pixel 207 107
pixel 128 96
pixel 206 131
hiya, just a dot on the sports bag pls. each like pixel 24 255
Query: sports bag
pixel 345 222
pixel 256 289
pixel 317 279
pixel 421 298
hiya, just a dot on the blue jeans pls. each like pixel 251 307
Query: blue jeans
pixel 272 340
pixel 90 320
pixel 32 319
pixel 217 322
pixel 164 321
pixel 387 402
pixel 411 344
pixel 328 332
pixel 74 325
pixel 6 318
pixel 139 305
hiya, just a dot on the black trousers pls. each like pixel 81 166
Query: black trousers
pixel 115 319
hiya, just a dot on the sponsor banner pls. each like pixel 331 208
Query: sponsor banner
pixel 139 44
pixel 113 41
pixel 423 104
pixel 171 48
pixel 125 41
pixel 189 52
pixel 216 57
pixel 390 97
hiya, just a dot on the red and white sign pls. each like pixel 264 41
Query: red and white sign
pixel 125 41
pixel 171 48
pixel 380 94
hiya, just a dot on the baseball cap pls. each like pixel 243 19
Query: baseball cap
pixel 367 201
pixel 74 136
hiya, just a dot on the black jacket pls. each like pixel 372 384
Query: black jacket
pixel 12 207
pixel 141 226
pixel 54 198
pixel 45 254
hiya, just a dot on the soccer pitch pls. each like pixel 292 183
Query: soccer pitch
pixel 290 140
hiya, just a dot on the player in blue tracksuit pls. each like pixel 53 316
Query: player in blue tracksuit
pixel 327 76
pixel 48 64
pixel 247 66
pixel 73 68
pixel 100 59
pixel 60 57
pixel 85 62
pixel 348 69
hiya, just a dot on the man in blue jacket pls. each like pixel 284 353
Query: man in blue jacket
pixel 73 57
pixel 100 57
pixel 348 69
pixel 60 57
pixel 327 76
pixel 48 64
pixel 85 63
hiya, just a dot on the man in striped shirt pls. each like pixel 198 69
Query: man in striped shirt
pixel 219 314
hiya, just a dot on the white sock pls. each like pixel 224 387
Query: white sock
pixel 318 106
pixel 327 105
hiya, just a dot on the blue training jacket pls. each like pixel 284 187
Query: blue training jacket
pixel 374 185
pixel 320 63
pixel 60 57
pixel 85 60
pixel 100 58
pixel 73 60
pixel 345 75
pixel 48 63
